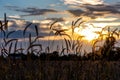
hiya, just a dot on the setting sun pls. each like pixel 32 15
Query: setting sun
pixel 88 33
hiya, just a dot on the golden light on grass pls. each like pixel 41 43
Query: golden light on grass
pixel 88 32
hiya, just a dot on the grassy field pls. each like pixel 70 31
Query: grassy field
pixel 59 70
pixel 103 63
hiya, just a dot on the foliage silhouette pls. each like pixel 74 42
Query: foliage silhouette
pixel 73 44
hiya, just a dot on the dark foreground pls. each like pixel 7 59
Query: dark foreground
pixel 59 70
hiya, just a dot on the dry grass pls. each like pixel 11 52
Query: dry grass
pixel 60 70
pixel 53 66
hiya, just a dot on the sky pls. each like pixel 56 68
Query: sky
pixel 99 13
pixel 42 9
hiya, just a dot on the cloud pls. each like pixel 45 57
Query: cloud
pixel 52 5
pixel 104 8
pixel 31 10
pixel 11 7
pixel 95 11
pixel 36 11
pixel 103 24
pixel 15 17
pixel 76 12
pixel 56 19
pixel 19 26
pixel 80 2
pixel 106 19
pixel 82 13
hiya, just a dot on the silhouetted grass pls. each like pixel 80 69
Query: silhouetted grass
pixel 100 64
pixel 59 70
pixel 73 42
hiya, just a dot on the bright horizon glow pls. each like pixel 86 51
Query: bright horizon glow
pixel 88 33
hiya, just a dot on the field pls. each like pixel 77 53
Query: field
pixel 59 70
pixel 63 63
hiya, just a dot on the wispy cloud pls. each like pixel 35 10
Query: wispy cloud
pixel 14 17
pixel 77 12
pixel 11 7
pixel 106 19
pixel 19 25
pixel 80 13
pixel 31 10
pixel 104 8
pixel 95 11
pixel 56 19
pixel 36 11
pixel 103 24
pixel 80 2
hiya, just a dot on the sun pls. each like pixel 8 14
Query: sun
pixel 88 33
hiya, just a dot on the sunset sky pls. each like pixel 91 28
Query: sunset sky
pixel 100 13
pixel 96 14
pixel 43 9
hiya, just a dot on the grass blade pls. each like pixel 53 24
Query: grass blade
pixel 77 21
pixel 10 41
pixel 26 28
pixel 30 41
pixel 52 24
pixel 36 30
pixel 10 48
pixel 67 45
pixel 9 34
pixel 15 48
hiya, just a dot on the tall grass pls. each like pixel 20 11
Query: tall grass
pixel 56 65
pixel 72 43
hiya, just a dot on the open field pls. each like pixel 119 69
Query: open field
pixel 36 63
pixel 59 70
pixel 59 39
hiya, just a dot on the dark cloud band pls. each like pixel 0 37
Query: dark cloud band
pixel 31 10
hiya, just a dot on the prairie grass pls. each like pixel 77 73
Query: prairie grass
pixel 73 42
pixel 68 70
pixel 100 64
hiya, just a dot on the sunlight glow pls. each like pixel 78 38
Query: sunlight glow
pixel 88 32
pixel 105 19
pixel 76 2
